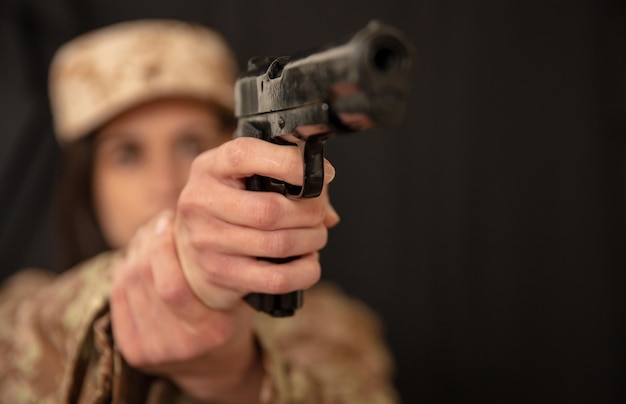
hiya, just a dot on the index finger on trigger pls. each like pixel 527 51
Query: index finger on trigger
pixel 245 157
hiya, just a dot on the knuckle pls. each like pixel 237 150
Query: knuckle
pixel 276 244
pixel 199 241
pixel 265 212
pixel 174 294
pixel 187 204
pixel 235 152
pixel 217 268
pixel 278 282
pixel 201 233
pixel 202 165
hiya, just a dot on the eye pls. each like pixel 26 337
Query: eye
pixel 126 154
pixel 189 147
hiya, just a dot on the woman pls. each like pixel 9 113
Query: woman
pixel 143 111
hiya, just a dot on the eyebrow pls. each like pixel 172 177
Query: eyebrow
pixel 115 137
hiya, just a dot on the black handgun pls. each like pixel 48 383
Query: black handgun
pixel 356 83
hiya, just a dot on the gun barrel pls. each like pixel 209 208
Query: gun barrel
pixel 368 73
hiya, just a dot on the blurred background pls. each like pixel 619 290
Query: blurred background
pixel 488 230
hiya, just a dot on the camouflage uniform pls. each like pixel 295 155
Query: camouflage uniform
pixel 57 347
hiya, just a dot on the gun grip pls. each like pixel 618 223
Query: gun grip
pixel 284 305
pixel 312 149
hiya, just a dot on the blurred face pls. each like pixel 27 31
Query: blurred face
pixel 142 161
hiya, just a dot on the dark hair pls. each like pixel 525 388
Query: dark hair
pixel 79 236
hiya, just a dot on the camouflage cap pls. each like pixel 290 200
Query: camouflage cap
pixel 101 74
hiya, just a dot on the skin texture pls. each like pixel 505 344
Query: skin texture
pixel 142 162
pixel 192 233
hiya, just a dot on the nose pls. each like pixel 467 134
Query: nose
pixel 167 179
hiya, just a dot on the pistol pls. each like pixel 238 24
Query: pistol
pixel 356 83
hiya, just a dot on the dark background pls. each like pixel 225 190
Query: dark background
pixel 488 229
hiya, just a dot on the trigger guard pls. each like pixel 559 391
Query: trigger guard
pixel 312 150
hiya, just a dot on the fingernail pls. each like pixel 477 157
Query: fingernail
pixel 332 217
pixel 329 172
pixel 162 223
